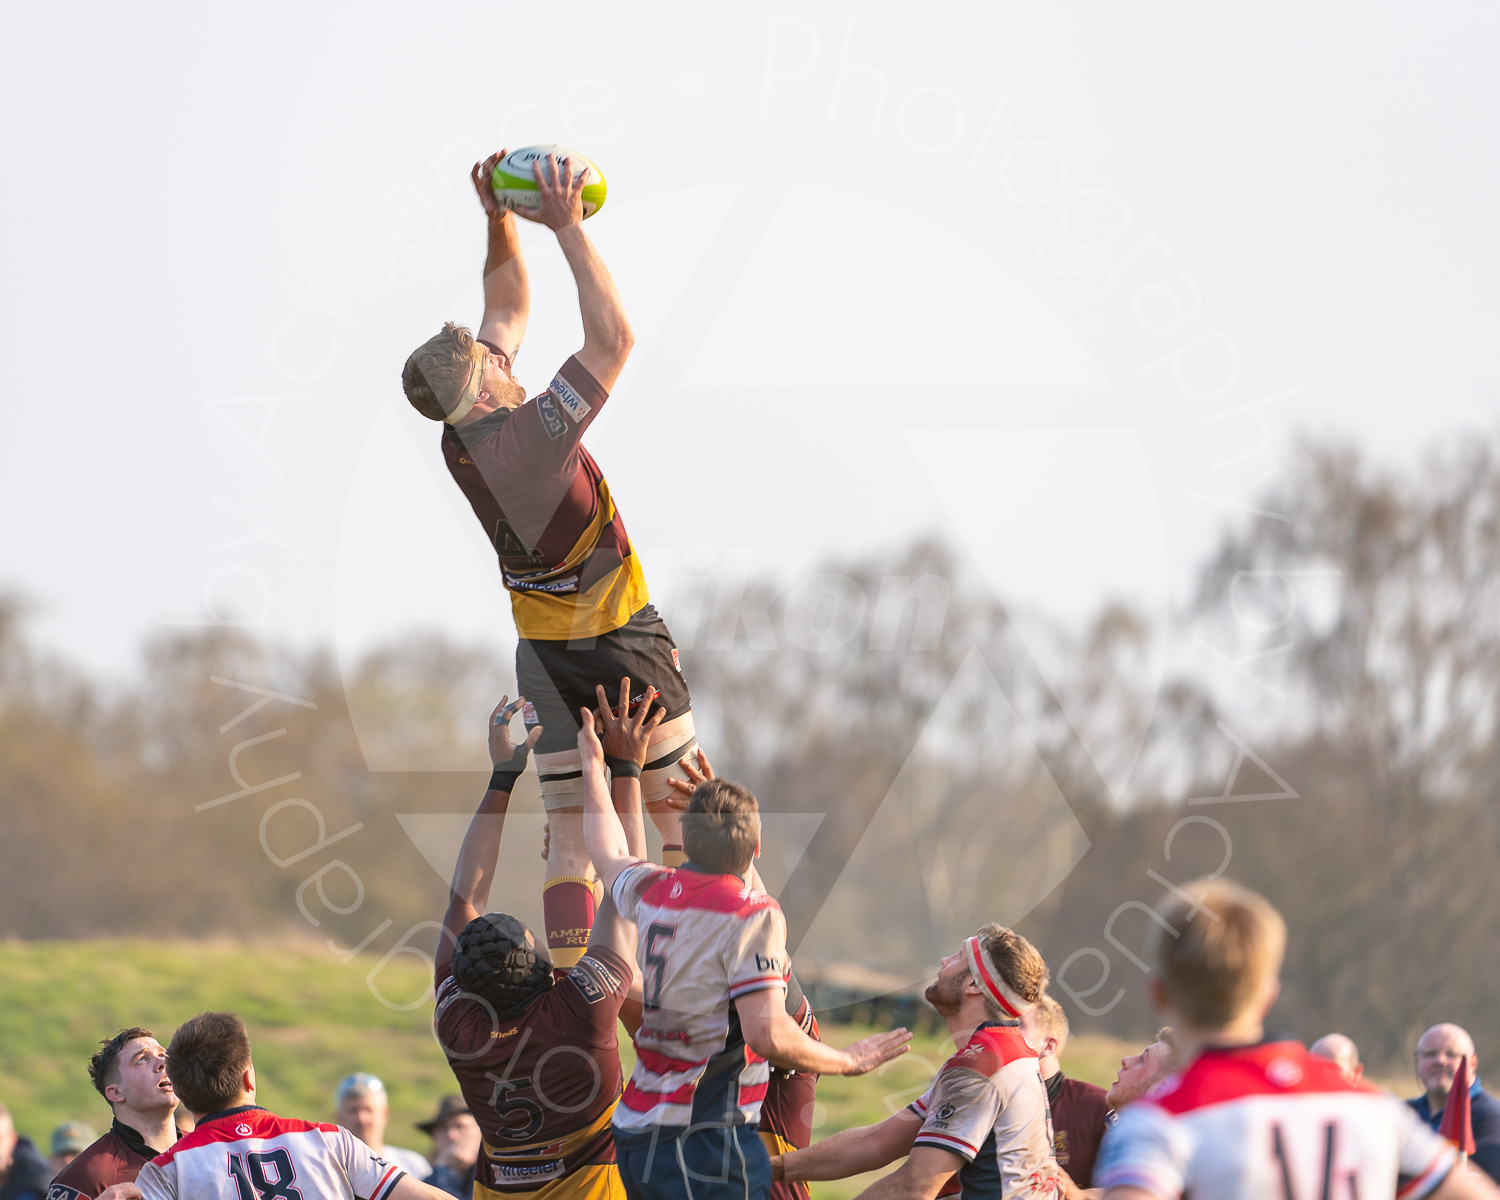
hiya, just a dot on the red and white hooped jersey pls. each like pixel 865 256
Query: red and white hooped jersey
pixel 702 940
pixel 1271 1120
pixel 250 1154
pixel 988 1105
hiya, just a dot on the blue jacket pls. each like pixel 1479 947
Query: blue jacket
pixel 29 1174
pixel 1484 1112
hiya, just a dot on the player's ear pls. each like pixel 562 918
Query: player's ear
pixel 112 1093
pixel 1158 993
pixel 1268 996
pixel 247 1080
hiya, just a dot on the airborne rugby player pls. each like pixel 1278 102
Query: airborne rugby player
pixel 577 591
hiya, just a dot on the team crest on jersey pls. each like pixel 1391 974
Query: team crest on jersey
pixel 676 662
pixel 1283 1072
pixel 552 420
pixel 676 890
pixel 573 404
pixel 528 714
pixel 243 1130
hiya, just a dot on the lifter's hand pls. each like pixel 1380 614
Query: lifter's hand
pixel 868 1053
pixel 502 749
pixel 697 772
pixel 627 735
pixel 121 1191
pixel 561 193
pixel 482 174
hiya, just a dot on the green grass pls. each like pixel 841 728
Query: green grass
pixel 312 1020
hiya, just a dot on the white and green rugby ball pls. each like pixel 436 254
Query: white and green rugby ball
pixel 514 183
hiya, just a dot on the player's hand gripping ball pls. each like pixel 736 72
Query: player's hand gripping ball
pixel 514 182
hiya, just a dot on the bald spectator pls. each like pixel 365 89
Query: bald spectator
pixel 1139 1073
pixel 24 1174
pixel 1079 1110
pixel 1439 1052
pixel 1342 1052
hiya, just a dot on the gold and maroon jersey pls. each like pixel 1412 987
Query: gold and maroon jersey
pixel 545 507
pixel 542 1083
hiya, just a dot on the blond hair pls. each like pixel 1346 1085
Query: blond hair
pixel 721 827
pixel 1218 947
pixel 438 370
pixel 1020 964
pixel 1052 1021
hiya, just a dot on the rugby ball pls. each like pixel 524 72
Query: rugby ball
pixel 514 182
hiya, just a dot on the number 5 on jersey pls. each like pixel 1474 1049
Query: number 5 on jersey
pixel 657 936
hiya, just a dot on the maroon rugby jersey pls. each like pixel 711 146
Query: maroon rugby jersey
pixel 542 1083
pixel 117 1157
pixel 1080 1115
pixel 545 507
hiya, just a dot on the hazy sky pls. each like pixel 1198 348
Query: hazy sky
pixel 1021 274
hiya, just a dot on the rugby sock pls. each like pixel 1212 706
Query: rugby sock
pixel 568 911
pixel 672 856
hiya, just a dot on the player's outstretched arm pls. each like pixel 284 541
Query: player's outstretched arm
pixel 507 290
pixel 851 1151
pixel 775 1036
pixel 602 832
pixel 408 1188
pixel 607 338
pixel 1464 1182
pixel 475 869
pixel 920 1177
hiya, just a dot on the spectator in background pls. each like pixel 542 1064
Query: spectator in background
pixel 1342 1052
pixel 130 1071
pixel 1079 1110
pixel 23 1171
pixel 69 1140
pixel 364 1110
pixel 455 1147
pixel 1438 1054
pixel 1139 1073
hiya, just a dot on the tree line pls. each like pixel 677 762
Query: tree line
pixel 1320 722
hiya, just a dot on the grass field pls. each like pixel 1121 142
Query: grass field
pixel 313 1020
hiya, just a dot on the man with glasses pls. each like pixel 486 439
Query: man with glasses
pixel 1439 1052
pixel 364 1110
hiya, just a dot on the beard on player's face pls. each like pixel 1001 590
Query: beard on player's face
pixel 946 992
pixel 502 386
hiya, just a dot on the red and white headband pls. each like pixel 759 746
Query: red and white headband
pixel 990 981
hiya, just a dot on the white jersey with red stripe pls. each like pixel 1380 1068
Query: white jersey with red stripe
pixel 250 1154
pixel 1271 1120
pixel 988 1105
pixel 702 940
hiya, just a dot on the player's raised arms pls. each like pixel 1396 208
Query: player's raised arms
pixel 507 289
pixel 607 339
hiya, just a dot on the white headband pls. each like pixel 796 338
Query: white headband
pixel 470 395
pixel 990 981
